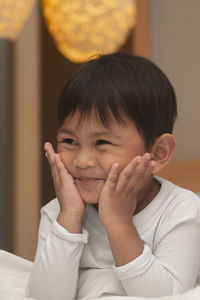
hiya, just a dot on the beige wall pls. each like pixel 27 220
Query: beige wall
pixel 26 137
pixel 175 47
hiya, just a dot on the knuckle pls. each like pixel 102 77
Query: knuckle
pixel 52 164
pixel 60 169
pixel 141 169
pixel 112 178
pixel 126 175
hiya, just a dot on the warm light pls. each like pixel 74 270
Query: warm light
pixel 13 14
pixel 82 28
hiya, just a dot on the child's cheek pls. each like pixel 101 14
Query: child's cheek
pixel 107 163
pixel 64 155
pixel 61 150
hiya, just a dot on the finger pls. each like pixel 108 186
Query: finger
pixel 50 152
pixel 145 166
pixel 60 165
pixel 128 172
pixel 62 170
pixel 149 169
pixel 51 156
pixel 112 178
pixel 142 171
pixel 135 172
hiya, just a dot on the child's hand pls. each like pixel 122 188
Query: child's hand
pixel 72 207
pixel 118 199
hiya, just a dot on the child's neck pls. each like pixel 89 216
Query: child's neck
pixel 147 195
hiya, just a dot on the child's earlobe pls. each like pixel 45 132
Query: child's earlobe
pixel 162 151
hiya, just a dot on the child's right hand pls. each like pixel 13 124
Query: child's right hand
pixel 72 207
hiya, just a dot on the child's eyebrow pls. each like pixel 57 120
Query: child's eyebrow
pixel 104 133
pixel 93 134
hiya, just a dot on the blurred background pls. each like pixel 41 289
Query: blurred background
pixel 41 44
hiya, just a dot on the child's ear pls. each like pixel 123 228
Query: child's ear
pixel 162 151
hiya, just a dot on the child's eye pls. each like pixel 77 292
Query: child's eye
pixel 102 142
pixel 69 141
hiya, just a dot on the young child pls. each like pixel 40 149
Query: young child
pixel 116 117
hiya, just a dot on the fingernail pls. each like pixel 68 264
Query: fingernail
pixel 138 159
pixel 45 144
pixel 115 165
pixel 147 156
pixel 152 163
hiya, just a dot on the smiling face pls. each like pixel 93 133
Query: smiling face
pixel 88 150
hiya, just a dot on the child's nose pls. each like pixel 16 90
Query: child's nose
pixel 85 159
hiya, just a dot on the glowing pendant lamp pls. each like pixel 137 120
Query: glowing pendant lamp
pixel 82 28
pixel 13 14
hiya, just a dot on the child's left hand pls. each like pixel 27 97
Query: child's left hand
pixel 118 198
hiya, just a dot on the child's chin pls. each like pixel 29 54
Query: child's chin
pixel 89 198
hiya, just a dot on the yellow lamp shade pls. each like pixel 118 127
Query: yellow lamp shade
pixel 82 28
pixel 13 14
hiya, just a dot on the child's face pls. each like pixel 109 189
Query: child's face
pixel 88 150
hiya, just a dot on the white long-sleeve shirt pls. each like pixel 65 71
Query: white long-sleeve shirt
pixel 169 228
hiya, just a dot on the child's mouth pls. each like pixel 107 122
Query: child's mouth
pixel 88 181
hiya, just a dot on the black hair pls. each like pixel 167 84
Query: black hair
pixel 121 83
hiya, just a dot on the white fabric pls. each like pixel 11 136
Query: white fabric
pixel 169 227
pixel 14 273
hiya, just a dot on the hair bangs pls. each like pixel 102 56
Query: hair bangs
pixel 91 94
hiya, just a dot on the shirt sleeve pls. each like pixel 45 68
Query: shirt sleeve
pixel 56 267
pixel 172 266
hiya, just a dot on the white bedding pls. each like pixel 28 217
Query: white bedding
pixel 14 272
pixel 93 284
